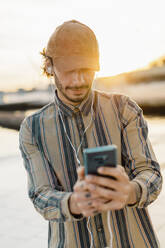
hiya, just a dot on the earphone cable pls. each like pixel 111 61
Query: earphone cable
pixel 90 122
pixel 78 161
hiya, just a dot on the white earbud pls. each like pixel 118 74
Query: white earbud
pixel 49 70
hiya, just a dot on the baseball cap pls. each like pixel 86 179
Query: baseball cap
pixel 73 45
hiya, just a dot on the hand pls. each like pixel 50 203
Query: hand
pixel 81 200
pixel 117 193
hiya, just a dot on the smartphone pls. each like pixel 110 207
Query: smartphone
pixel 99 156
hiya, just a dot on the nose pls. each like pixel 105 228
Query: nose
pixel 78 77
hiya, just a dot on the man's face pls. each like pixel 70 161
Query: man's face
pixel 73 86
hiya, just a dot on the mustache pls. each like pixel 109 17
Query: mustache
pixel 78 88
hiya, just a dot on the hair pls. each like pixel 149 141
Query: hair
pixel 46 60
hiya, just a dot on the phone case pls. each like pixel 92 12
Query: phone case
pixel 99 156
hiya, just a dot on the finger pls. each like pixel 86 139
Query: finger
pixel 101 181
pixel 85 205
pixel 103 186
pixel 84 196
pixel 83 186
pixel 81 172
pixel 97 202
pixel 79 186
pixel 89 208
pixel 109 194
pixel 94 209
pixel 118 172
pixel 121 167
pixel 110 189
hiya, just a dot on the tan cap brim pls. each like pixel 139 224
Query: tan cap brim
pixel 69 63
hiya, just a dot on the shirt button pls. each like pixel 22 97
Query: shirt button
pixel 99 229
pixel 80 126
pixel 76 110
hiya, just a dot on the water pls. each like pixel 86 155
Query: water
pixel 157 136
pixel 9 145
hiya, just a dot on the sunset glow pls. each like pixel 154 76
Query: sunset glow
pixel 130 35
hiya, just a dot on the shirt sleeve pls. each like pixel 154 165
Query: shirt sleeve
pixel 138 157
pixel 44 191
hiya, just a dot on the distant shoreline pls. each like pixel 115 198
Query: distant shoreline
pixel 156 127
pixel 13 105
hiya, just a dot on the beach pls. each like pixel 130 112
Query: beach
pixel 21 226
pixel 131 38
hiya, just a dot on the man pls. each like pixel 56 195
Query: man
pixel 88 211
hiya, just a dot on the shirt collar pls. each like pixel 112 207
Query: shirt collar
pixel 69 110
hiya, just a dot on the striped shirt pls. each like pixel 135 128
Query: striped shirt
pixel 47 142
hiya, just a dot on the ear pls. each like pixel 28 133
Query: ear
pixel 49 66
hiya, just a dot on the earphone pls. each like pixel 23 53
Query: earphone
pixel 49 70
pixel 76 151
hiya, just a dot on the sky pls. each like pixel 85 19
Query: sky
pixel 130 33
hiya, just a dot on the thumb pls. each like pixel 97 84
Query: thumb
pixel 81 172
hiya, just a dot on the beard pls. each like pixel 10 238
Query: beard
pixel 76 99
